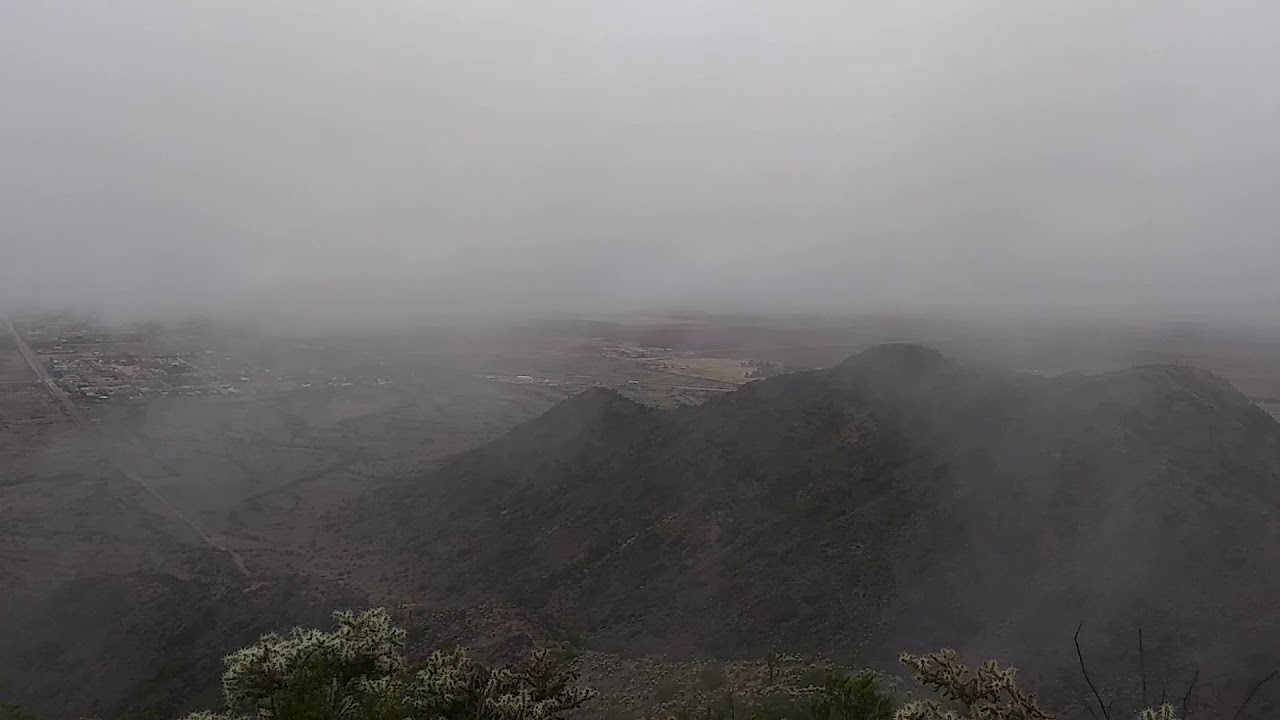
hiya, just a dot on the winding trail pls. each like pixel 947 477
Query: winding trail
pixel 109 452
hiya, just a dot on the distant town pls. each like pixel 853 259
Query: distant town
pixel 99 364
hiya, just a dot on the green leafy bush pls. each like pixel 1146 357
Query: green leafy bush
pixel 359 672
pixel 851 697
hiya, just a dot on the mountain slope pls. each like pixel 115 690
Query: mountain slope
pixel 108 606
pixel 897 501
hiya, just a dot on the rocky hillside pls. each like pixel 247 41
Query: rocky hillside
pixel 896 501
pixel 107 607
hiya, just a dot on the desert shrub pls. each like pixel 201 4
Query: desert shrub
pixel 712 677
pixel 665 692
pixel 814 677
pixel 779 706
pixel 10 711
pixel 359 672
pixel 722 707
pixel 837 696
pixel 989 693
pixel 851 697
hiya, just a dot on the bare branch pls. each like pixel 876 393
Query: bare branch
pixel 1106 713
pixel 1142 668
pixel 1186 699
pixel 1255 689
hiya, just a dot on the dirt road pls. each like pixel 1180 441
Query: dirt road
pixel 110 451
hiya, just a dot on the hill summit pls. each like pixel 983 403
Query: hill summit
pixel 897 501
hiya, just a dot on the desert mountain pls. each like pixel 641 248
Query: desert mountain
pixel 898 501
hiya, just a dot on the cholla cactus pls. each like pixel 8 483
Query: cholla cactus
pixel 365 648
pixel 451 684
pixel 359 672
pixel 1164 712
pixel 989 693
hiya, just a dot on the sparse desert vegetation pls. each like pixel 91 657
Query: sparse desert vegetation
pixel 359 670
pixel 707 502
pixel 678 360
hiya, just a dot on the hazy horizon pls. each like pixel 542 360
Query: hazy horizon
pixel 344 162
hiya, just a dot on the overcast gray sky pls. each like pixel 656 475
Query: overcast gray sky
pixel 1062 156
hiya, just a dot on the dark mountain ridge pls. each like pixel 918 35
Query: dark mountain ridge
pixel 896 501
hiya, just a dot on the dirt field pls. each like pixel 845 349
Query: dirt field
pixel 641 320
pixel 716 369
pixel 312 423
pixel 62 513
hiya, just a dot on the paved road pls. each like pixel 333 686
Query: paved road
pixel 109 451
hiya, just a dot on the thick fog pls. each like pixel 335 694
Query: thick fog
pixel 432 158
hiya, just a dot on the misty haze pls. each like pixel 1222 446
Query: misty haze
pixel 639 360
